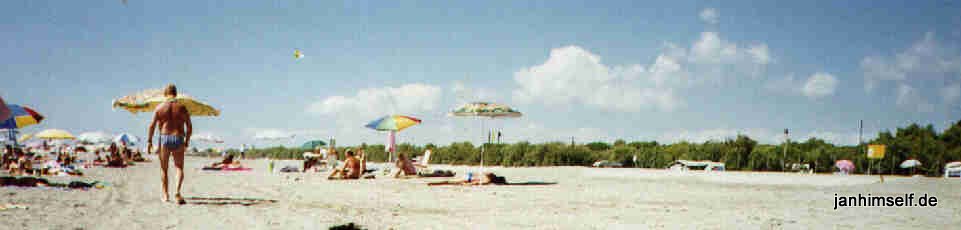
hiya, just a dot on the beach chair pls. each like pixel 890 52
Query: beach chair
pixel 424 161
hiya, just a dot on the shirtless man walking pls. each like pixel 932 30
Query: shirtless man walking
pixel 175 131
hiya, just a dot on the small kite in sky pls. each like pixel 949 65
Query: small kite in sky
pixel 298 54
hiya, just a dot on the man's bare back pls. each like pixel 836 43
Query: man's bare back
pixel 172 117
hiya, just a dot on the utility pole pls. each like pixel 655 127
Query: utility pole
pixel 787 141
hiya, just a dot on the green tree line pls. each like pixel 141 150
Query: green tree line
pixel 923 143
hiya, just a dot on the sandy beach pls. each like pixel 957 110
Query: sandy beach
pixel 584 198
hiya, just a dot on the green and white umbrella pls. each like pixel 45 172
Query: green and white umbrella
pixel 485 110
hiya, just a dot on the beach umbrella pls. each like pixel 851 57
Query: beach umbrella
pixel 126 139
pixel 20 116
pixel 147 101
pixel 911 163
pixel 25 137
pixel 4 111
pixel 313 144
pixel 392 124
pixel 485 110
pixel 54 134
pixel 845 166
pixel 94 137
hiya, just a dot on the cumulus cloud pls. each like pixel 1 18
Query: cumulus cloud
pixel 713 57
pixel 819 85
pixel 924 58
pixel 908 98
pixel 372 102
pixel 574 75
pixel 710 15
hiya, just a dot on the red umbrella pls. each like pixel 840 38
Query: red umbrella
pixel 4 111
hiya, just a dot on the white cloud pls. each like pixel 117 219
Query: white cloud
pixel 924 58
pixel 819 85
pixel 710 49
pixel 574 75
pixel 951 93
pixel 760 54
pixel 372 102
pixel 710 15
pixel 908 98
pixel 272 134
pixel 712 58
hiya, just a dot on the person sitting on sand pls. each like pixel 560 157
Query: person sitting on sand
pixel 8 157
pixel 115 159
pixel 137 157
pixel 24 165
pixel 97 158
pixel 405 166
pixel 351 169
pixel 486 179
pixel 312 159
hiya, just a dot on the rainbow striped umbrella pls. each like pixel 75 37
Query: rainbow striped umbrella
pixel 21 116
pixel 392 123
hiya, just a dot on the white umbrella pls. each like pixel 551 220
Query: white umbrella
pixel 910 163
pixel 126 138
pixel 94 137
pixel 485 110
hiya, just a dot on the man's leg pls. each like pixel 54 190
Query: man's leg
pixel 164 158
pixel 179 163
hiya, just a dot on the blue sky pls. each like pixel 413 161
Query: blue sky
pixel 666 71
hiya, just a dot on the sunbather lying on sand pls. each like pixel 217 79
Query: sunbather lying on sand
pixel 486 179
pixel 228 161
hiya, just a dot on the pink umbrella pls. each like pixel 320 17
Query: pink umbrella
pixel 845 166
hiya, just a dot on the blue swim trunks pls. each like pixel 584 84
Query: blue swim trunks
pixel 171 141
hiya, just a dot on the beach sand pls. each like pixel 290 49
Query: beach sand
pixel 585 198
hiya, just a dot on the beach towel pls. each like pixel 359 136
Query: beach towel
pixel 226 169
pixel 219 201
